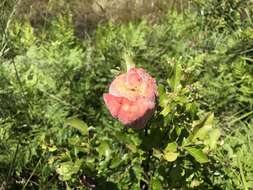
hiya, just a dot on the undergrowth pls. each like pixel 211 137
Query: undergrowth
pixel 55 132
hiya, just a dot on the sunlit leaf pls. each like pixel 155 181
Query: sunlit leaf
pixel 67 169
pixel 197 154
pixel 158 154
pixel 163 100
pixel 52 148
pixel 78 124
pixel 170 156
pixel 214 135
pixel 165 111
pixel 175 81
pixel 129 63
pixel 171 147
pixel 202 132
pixel 104 150
pixel 161 89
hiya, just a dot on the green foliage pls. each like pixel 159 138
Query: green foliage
pixel 226 14
pixel 235 158
pixel 56 133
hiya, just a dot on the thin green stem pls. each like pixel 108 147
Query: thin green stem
pixel 242 173
pixel 13 162
pixel 31 174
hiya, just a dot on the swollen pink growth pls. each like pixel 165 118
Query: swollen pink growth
pixel 132 97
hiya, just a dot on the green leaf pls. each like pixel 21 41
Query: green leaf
pixel 52 148
pixel 67 169
pixel 214 135
pixel 197 154
pixel 104 150
pixel 138 171
pixel 165 111
pixel 163 100
pixel 161 89
pixel 115 162
pixel 209 119
pixel 202 132
pixel 170 156
pixel 171 147
pixel 129 63
pixel 156 184
pixel 78 124
pixel 175 81
pixel 157 153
